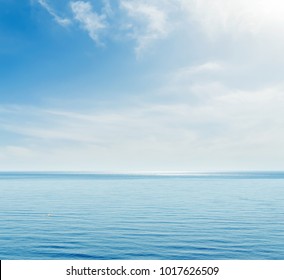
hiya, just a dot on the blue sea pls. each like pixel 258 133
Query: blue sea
pixel 178 216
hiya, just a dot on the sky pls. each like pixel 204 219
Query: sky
pixel 141 85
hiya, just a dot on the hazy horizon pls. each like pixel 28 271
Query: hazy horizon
pixel 143 172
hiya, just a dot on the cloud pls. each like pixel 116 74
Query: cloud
pixel 216 103
pixel 90 21
pixel 210 67
pixel 228 128
pixel 147 22
pixel 107 8
pixel 60 20
pixel 16 151
pixel 236 16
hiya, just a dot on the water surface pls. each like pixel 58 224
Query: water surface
pixel 128 216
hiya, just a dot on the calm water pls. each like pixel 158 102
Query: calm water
pixel 191 216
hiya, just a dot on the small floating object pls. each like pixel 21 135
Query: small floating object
pixel 49 215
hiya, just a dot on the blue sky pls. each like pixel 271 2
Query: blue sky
pixel 132 85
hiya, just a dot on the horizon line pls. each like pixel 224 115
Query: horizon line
pixel 141 172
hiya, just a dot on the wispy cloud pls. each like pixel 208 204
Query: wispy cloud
pixel 90 21
pixel 227 128
pixel 16 151
pixel 148 22
pixel 107 8
pixel 209 67
pixel 152 20
pixel 60 20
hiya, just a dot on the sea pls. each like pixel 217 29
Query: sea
pixel 155 216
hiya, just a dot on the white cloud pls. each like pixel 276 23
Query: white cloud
pixel 147 22
pixel 236 16
pixel 92 22
pixel 201 69
pixel 17 151
pixel 228 128
pixel 60 20
pixel 236 19
pixel 107 8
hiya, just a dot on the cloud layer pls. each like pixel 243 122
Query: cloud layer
pixel 212 91
pixel 222 128
pixel 149 21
